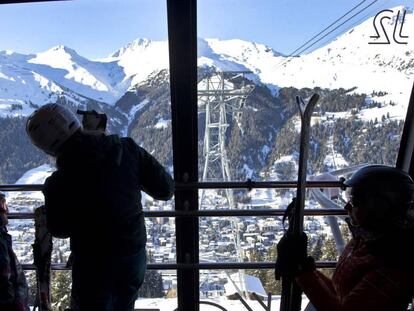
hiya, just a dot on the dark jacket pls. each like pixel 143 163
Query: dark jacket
pixel 94 196
pixel 13 286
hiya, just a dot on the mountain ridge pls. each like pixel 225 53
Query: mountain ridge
pixel 368 67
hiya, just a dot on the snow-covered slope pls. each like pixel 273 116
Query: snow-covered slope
pixel 351 61
pixel 27 200
pixel 26 84
pixel 63 65
pixel 139 59
pixel 347 62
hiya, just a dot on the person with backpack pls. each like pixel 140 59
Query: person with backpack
pixel 375 270
pixel 94 197
pixel 14 291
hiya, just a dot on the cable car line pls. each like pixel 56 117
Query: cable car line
pixel 326 28
pixel 324 36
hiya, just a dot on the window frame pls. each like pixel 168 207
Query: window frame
pixel 182 33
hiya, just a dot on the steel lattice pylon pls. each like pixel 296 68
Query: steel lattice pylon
pixel 220 99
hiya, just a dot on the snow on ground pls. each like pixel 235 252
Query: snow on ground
pixel 140 58
pixel 37 175
pixel 170 304
pixel 162 124
pixel 262 198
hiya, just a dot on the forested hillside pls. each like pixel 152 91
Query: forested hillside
pixel 268 131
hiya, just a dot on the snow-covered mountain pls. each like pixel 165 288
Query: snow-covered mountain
pixel 26 201
pixel 28 81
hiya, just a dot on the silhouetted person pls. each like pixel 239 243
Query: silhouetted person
pixel 375 271
pixel 94 198
pixel 13 286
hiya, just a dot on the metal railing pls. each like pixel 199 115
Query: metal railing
pixel 249 184
pixel 209 213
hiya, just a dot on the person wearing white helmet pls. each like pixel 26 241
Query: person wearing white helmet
pixel 51 126
pixel 94 198
pixel 375 270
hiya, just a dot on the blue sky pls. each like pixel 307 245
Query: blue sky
pixel 96 28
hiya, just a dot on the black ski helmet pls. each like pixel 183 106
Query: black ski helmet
pixel 385 192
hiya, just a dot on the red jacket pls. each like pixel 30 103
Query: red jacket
pixel 361 282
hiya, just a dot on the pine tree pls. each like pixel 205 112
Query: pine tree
pixel 315 249
pixel 32 284
pixel 152 286
pixel 60 287
pixel 266 276
pixel 329 252
pixel 271 285
pixel 346 234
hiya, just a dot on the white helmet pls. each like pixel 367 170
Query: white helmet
pixel 50 126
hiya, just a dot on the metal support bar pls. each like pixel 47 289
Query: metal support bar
pixel 405 153
pixel 213 185
pixel 202 266
pixel 269 301
pixel 182 39
pixel 243 302
pixel 259 300
pixel 217 213
pixel 258 184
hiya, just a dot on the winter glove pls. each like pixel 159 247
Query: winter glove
pixel 292 258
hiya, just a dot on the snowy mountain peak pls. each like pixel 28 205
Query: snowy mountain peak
pixel 57 55
pixel 240 48
pixel 349 62
pixel 136 45
pixel 7 52
pixel 63 48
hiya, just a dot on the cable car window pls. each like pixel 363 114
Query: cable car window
pixel 251 128
pixel 253 61
pixel 107 56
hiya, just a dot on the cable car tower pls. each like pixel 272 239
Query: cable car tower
pixel 221 99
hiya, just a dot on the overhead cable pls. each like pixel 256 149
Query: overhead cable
pixel 326 28
pixel 356 22
pixel 327 34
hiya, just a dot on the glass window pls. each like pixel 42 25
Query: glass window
pixel 253 61
pixel 86 55
pixel 109 56
pixel 249 123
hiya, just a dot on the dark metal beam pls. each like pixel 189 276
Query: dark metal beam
pixel 28 1
pixel 405 153
pixel 201 266
pixel 182 36
pixel 258 184
pixel 218 213
pixel 212 185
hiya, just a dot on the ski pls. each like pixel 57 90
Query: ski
pixel 291 293
pixel 42 251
